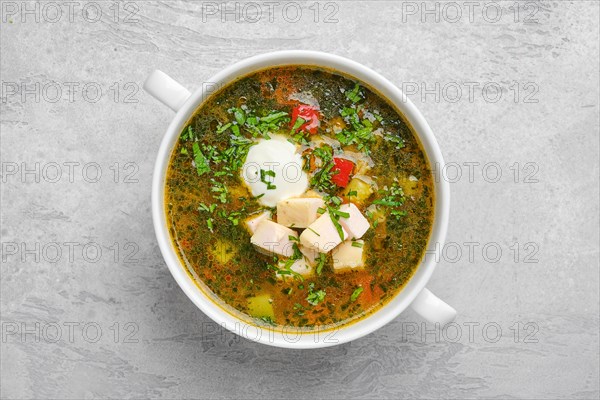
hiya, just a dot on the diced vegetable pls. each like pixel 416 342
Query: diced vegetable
pixel 308 114
pixel 342 169
pixel 348 256
pixel 409 184
pixel 337 124
pixel 223 251
pixel 261 307
pixel 357 191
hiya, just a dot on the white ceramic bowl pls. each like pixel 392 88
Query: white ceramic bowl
pixel 414 293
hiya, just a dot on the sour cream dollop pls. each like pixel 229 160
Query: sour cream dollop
pixel 286 178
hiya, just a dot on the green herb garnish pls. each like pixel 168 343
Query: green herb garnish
pixel 299 122
pixel 200 160
pixel 359 132
pixel 356 293
pixel 354 95
pixel 321 180
pixel 267 320
pixel 263 178
pixel 219 190
pixel 188 134
pixel 336 223
pixel 320 259
pixel 393 198
pixel 313 231
pixel 315 297
pixel 259 125
pixel 223 128
pixel 397 140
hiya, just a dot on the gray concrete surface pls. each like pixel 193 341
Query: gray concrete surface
pixel 88 307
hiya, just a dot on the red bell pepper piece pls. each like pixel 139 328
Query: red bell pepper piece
pixel 309 114
pixel 342 169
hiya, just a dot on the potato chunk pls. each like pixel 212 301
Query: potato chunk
pixel 348 255
pixel 253 221
pixel 223 250
pixel 356 224
pixel 261 307
pixel 410 185
pixel 321 235
pixel 272 238
pixel 357 191
pixel 298 212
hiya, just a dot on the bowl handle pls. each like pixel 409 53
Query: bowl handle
pixel 432 308
pixel 166 89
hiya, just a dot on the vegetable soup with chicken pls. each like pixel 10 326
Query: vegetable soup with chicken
pixel 300 198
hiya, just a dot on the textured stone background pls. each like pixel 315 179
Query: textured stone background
pixel 155 343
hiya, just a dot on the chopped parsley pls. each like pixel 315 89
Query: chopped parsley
pixel 223 128
pixel 254 124
pixel 233 216
pixel 315 297
pixel 263 178
pixel 204 207
pixel 299 122
pixel 320 259
pixel 356 293
pixel 219 190
pixel 393 198
pixel 338 226
pixel 359 132
pixel 341 214
pixel 284 268
pixel 188 134
pixel 321 180
pixel 267 320
pixel 395 139
pixel 200 160
pixel 354 95
pixel 313 231
pixel 335 214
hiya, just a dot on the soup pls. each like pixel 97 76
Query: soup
pixel 299 197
